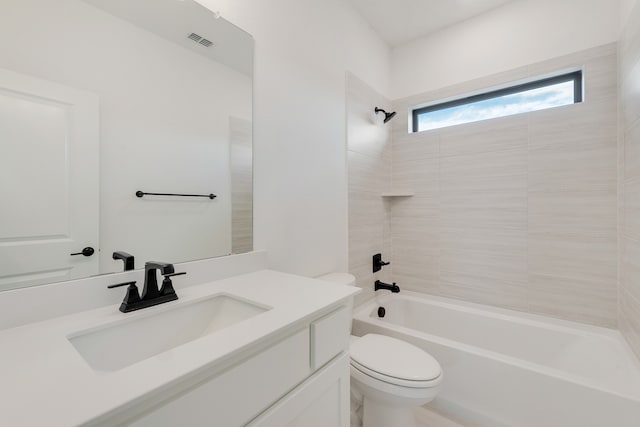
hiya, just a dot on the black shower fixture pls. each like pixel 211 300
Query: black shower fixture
pixel 387 116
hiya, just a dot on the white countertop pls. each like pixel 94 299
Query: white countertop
pixel 46 382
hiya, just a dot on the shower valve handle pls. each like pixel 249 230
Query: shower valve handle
pixel 378 263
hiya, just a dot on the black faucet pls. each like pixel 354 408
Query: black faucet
pixel 150 290
pixel 129 260
pixel 381 285
pixel 151 295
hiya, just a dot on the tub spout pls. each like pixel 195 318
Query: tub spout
pixel 381 285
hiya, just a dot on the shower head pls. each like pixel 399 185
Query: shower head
pixel 387 116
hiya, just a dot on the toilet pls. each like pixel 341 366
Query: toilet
pixel 391 375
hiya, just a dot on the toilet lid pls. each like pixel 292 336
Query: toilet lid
pixel 391 357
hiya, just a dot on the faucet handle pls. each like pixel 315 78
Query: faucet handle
pixel 132 296
pixel 175 274
pixel 167 285
pixel 122 284
pixel 378 263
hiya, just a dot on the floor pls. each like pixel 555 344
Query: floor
pixel 426 417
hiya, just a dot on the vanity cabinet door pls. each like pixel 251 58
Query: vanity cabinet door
pixel 329 336
pixel 321 401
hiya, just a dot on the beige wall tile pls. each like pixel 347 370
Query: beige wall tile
pixel 486 290
pixel 574 159
pixel 415 262
pixel 588 258
pixel 368 174
pixel 629 321
pixel 629 289
pixel 506 133
pixel 469 267
pixel 418 175
pixel 632 152
pixel 573 299
pixel 491 240
pixel 369 161
pixel 415 146
pixel 521 211
pixel 601 77
pixel 563 214
pixel 631 265
pixel 366 218
pixel 631 219
pixel 366 209
pixel 425 284
pixel 417 233
pixel 484 210
pixel 241 164
pixel 561 124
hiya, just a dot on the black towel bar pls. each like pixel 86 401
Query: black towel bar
pixel 142 194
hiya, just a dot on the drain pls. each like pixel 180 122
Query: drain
pixel 381 311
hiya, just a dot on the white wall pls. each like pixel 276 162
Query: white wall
pixel 303 49
pixel 626 6
pixel 520 33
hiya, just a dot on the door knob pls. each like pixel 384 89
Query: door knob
pixel 88 251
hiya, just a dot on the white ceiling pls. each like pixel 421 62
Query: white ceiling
pixel 399 21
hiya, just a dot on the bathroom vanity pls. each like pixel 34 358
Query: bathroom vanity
pixel 170 81
pixel 261 349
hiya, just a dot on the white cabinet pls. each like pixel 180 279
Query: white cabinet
pixel 301 380
pixel 234 397
pixel 321 401
pixel 329 336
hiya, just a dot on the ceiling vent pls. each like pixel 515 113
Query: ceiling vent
pixel 200 40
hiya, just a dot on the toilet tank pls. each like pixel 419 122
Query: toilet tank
pixel 341 279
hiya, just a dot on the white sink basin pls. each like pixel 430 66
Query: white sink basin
pixel 117 346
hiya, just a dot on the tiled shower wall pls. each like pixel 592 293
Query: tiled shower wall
pixel 629 309
pixel 369 160
pixel 241 165
pixel 518 212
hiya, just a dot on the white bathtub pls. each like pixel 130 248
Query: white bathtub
pixel 508 369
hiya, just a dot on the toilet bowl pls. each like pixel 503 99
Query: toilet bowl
pixel 391 375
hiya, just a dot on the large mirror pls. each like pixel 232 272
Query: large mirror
pixel 103 102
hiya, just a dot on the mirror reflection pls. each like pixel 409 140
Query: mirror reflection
pixel 101 100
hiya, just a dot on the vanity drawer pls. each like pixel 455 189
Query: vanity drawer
pixel 329 336
pixel 235 397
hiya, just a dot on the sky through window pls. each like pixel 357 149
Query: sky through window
pixel 554 95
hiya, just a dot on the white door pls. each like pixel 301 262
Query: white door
pixel 49 200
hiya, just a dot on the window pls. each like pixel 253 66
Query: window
pixel 550 92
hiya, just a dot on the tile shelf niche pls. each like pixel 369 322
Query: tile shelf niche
pixel 398 193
